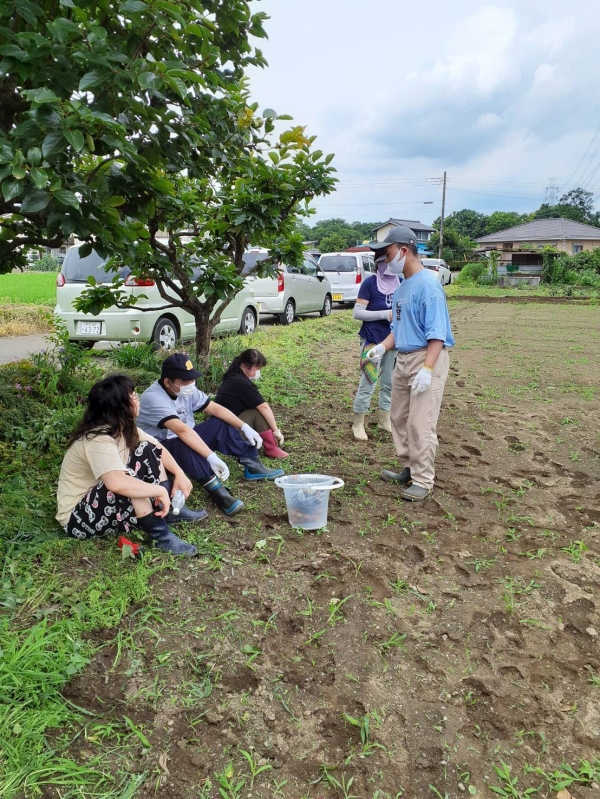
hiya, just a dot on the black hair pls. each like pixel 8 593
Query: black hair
pixel 411 248
pixel 248 358
pixel 109 412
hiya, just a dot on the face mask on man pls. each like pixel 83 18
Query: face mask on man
pixel 256 375
pixel 396 265
pixel 186 391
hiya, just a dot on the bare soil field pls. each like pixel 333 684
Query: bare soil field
pixel 433 650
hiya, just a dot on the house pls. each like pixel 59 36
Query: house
pixel 520 247
pixel 422 232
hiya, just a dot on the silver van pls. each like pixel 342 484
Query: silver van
pixel 164 327
pixel 294 291
pixel 346 271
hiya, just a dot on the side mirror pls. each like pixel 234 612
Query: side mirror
pixel 320 276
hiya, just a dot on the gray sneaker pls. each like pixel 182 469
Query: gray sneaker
pixel 403 477
pixel 415 493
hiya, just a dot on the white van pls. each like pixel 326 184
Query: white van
pixel 346 271
pixel 164 327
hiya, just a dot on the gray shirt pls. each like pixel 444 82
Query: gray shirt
pixel 157 407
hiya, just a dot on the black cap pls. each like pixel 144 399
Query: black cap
pixel 179 366
pixel 397 235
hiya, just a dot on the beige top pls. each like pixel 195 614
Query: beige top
pixel 84 464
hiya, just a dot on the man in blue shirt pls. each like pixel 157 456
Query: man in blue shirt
pixel 421 335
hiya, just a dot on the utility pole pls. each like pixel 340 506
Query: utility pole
pixel 442 218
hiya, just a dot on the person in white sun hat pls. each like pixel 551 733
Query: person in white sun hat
pixel 421 335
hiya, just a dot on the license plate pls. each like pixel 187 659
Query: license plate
pixel 338 297
pixel 89 328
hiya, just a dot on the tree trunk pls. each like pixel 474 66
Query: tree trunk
pixel 204 328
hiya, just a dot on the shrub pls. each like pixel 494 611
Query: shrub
pixel 47 263
pixel 471 273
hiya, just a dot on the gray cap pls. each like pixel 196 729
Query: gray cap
pixel 397 235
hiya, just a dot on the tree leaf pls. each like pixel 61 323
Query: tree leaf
pixel 39 177
pixel 34 156
pixel 146 80
pixel 12 51
pixel 35 201
pixel 19 171
pixel 132 7
pixel 268 113
pixel 67 198
pixel 75 139
pixel 93 78
pixel 113 202
pixel 29 11
pixel 11 189
pixel 53 143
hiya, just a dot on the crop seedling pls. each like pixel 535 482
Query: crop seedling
pixel 228 787
pixel 255 768
pixel 395 642
pixel 481 563
pixel 342 785
pixel 365 724
pixel 400 586
pixel 508 789
pixel 575 550
pixel 335 609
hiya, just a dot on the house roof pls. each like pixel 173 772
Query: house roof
pixel 544 230
pixel 413 224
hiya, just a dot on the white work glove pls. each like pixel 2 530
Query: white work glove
pixel 218 466
pixel 278 436
pixel 422 381
pixel 376 353
pixel 251 436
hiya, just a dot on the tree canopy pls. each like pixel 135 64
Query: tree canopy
pixel 117 124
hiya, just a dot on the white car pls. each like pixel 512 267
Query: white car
pixel 164 327
pixel 294 291
pixel 440 267
pixel 346 271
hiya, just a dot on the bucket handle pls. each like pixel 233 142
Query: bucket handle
pixel 330 487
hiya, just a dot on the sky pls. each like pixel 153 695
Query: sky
pixel 504 97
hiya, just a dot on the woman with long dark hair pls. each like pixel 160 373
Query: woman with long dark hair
pixel 239 394
pixel 113 474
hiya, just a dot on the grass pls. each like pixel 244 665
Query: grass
pixel 456 290
pixel 29 288
pixel 24 320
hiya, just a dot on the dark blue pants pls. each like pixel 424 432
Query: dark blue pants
pixel 217 435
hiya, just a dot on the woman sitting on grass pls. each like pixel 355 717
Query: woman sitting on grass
pixel 113 474
pixel 238 393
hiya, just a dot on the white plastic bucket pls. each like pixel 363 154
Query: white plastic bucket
pixel 307 498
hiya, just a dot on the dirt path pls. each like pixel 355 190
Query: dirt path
pixel 405 646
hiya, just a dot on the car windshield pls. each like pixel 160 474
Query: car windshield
pixel 431 263
pixel 251 259
pixel 337 263
pixel 78 270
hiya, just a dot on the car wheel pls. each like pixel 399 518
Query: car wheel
pixel 287 317
pixel 248 323
pixel 326 309
pixel 165 334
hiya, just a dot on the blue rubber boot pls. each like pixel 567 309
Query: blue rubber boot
pixel 222 498
pixel 163 538
pixel 255 470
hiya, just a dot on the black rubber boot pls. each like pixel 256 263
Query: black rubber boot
pixel 165 539
pixel 221 497
pixel 403 478
pixel 255 470
pixel 185 514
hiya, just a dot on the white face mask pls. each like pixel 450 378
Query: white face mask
pixel 396 265
pixel 256 375
pixel 186 391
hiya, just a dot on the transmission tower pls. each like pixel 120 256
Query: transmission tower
pixel 551 193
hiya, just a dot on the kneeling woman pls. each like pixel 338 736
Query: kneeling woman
pixel 238 393
pixel 113 474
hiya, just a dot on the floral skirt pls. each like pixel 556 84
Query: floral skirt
pixel 101 511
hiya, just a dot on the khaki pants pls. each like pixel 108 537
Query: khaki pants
pixel 414 416
pixel 255 419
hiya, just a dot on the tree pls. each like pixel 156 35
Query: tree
pixel 333 243
pixel 90 98
pixel 466 222
pixel 577 204
pixel 502 220
pixel 112 133
pixel 457 247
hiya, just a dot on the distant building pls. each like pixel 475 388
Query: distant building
pixel 421 231
pixel 520 246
